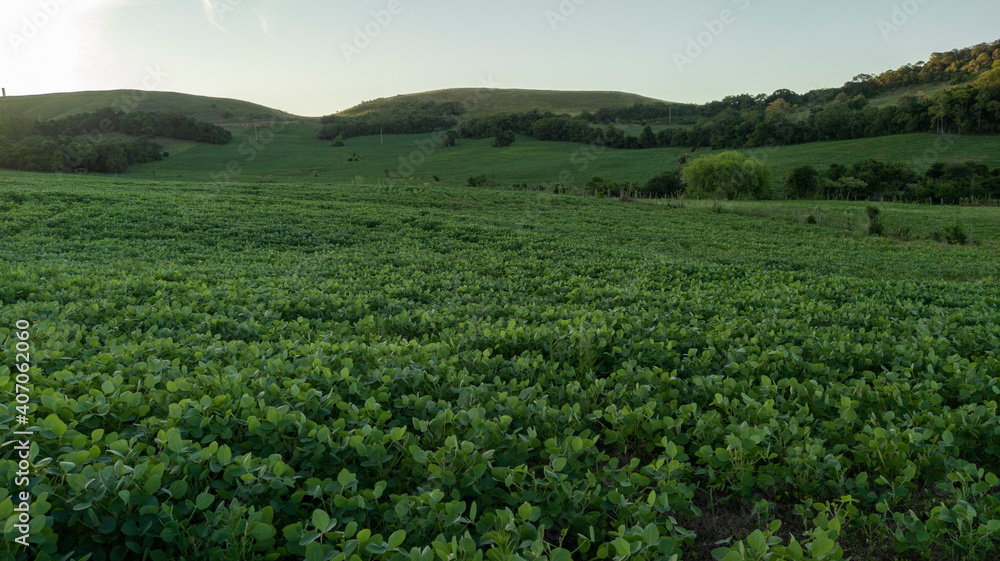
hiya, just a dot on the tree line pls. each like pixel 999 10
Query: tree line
pixel 405 118
pixel 47 154
pixel 135 123
pixel 733 175
pixel 942 183
pixel 84 141
pixel 956 66
pixel 783 117
pixel 745 122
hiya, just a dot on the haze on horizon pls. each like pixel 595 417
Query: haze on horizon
pixel 315 58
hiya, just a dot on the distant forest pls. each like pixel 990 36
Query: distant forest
pixel 742 121
pixel 81 142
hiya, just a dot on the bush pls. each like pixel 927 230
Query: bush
pixel 478 181
pixel 802 183
pixel 664 184
pixel 338 142
pixel 728 175
pixel 504 139
pixel 874 221
pixel 957 234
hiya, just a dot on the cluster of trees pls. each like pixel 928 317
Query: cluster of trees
pixel 956 66
pixel 81 142
pixel 548 126
pixel 47 154
pixel 872 179
pixel 135 123
pixel 745 122
pixel 970 109
pixel 406 118
pixel 729 175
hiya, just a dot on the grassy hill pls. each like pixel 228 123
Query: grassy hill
pixel 212 109
pixel 481 102
pixel 294 155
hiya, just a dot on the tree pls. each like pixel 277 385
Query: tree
pixel 647 139
pixel 802 183
pixel 14 127
pixel 729 175
pixel 504 139
pixel 664 184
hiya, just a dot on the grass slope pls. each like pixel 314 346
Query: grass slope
pixel 211 109
pixel 293 154
pixel 481 102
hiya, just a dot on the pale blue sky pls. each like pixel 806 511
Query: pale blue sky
pixel 306 56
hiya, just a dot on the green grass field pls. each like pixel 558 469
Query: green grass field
pixel 299 371
pixel 293 154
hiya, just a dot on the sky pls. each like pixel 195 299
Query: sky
pixel 312 57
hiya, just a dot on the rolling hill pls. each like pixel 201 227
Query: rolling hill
pixel 211 109
pixel 480 102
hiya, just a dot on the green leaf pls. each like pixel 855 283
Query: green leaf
pixel 345 477
pixel 757 541
pixel 174 440
pixel 947 437
pixel 559 463
pixel 224 454
pixel 560 554
pixel 419 455
pixel 397 538
pixel 822 546
pixel 314 552
pixel 320 520
pixel 108 387
pixel 671 450
pixel 308 537
pixel 622 547
pixel 651 534
pixel 204 501
pixel 794 550
pixel 108 525
pixel 262 531
pixel 56 424
pixel 524 511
